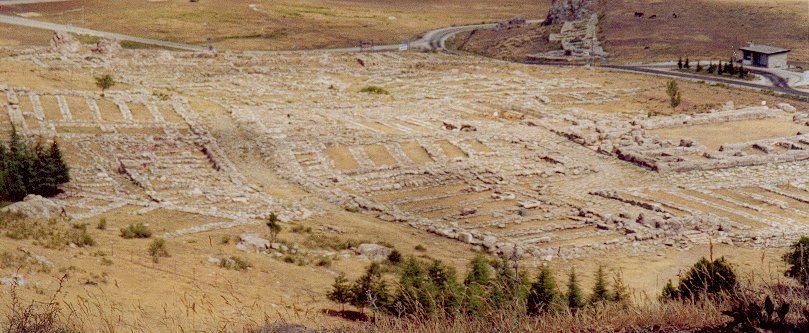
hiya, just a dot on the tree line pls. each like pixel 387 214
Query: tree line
pixel 427 288
pixel 31 169
pixel 431 288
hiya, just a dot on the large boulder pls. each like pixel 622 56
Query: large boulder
pixel 63 42
pixel 373 252
pixel 37 207
pixel 253 243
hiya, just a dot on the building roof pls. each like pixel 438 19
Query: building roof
pixel 764 49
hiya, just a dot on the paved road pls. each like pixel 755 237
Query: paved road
pixel 14 20
pixel 779 83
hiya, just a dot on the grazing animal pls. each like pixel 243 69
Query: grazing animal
pixel 638 14
pixel 674 15
pixel 653 17
pixel 362 63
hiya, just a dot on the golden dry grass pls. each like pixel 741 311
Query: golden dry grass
pixel 274 25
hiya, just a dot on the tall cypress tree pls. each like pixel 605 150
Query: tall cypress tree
pixel 544 294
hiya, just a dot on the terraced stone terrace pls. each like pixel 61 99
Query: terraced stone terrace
pixel 495 155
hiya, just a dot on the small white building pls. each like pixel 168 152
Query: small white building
pixel 764 56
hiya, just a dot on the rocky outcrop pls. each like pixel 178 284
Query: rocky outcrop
pixel 36 207
pixel 107 46
pixel 373 252
pixel 569 10
pixel 63 42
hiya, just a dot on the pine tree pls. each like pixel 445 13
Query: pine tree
pixel 687 65
pixel 18 168
pixel 720 69
pixel 680 63
pixel 370 289
pixel 600 292
pixel 476 284
pixel 669 292
pixel 575 300
pixel 60 170
pixel 742 72
pixel 341 291
pixel 507 285
pixel 620 293
pixel 411 287
pixel 711 68
pixel 699 67
pixel 544 294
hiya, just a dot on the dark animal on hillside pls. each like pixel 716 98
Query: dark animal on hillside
pixel 674 15
pixel 362 63
pixel 653 17
pixel 638 14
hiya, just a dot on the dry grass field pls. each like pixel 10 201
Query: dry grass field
pixel 277 25
pixel 703 28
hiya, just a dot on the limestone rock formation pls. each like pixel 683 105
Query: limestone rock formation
pixel 37 207
pixel 63 42
pixel 373 252
pixel 107 46
pixel 569 10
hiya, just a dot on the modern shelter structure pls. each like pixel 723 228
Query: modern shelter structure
pixel 764 56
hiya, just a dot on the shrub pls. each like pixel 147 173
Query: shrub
pixel 275 228
pixel 324 261
pixel 102 224
pixel 235 263
pixel 105 82
pixel 157 249
pixel 374 90
pixel 420 248
pixel 299 229
pixel 395 257
pixel 81 238
pixel 674 93
pixel 704 278
pixel 139 230
pixel 797 260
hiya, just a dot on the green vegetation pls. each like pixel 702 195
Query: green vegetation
pixel 102 224
pixel 275 227
pixel 105 82
pixel 157 249
pixel 674 93
pixel 705 278
pixel 235 263
pixel 31 169
pixel 139 230
pixel 374 90
pixel 86 39
pixel 797 260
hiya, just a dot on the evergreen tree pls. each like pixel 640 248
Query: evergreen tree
pixel 742 72
pixel 680 63
pixel 669 291
pixel 674 93
pixel 720 69
pixel 4 161
pixel 341 291
pixel 620 293
pixel 543 294
pixel 797 260
pixel 411 287
pixel 370 289
pixel 711 68
pixel 275 227
pixel 476 284
pixel 575 300
pixel 687 65
pixel 443 286
pixel 600 292
pixel 60 171
pixel 507 286
pixel 18 168
pixel 699 67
